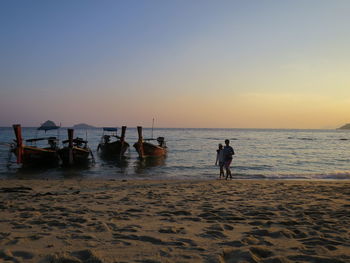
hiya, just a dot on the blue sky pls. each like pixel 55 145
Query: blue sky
pixel 262 64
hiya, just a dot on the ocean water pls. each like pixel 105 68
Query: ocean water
pixel 260 154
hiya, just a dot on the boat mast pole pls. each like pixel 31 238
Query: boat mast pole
pixel 152 126
pixel 140 142
pixel 19 141
pixel 122 140
pixel 70 146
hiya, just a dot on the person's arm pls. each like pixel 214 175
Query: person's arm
pixel 217 158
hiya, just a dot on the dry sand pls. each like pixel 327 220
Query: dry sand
pixel 74 221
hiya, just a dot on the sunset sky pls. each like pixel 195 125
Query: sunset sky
pixel 186 63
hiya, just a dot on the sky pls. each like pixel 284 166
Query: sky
pixel 187 64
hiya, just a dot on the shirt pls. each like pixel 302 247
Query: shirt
pixel 228 152
pixel 220 156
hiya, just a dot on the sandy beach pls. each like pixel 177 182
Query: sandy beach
pixel 174 221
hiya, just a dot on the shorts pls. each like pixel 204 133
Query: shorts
pixel 228 163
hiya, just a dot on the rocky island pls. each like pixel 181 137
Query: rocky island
pixel 345 127
pixel 83 126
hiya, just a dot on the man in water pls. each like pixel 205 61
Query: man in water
pixel 228 154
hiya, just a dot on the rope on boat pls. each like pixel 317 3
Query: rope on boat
pixel 9 156
pixel 6 144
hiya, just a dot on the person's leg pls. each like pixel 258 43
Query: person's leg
pixel 228 171
pixel 222 171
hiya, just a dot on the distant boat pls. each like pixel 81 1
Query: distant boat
pixel 111 144
pixel 33 155
pixel 146 149
pixel 76 152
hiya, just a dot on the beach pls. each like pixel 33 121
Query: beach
pixel 266 221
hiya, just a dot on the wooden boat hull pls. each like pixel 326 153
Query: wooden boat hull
pixel 146 149
pixel 80 156
pixel 116 148
pixel 34 156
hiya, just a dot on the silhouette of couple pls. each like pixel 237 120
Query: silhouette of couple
pixel 224 158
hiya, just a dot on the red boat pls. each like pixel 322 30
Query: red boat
pixel 33 155
pixel 113 148
pixel 76 152
pixel 146 149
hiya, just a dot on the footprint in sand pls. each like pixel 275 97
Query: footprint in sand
pixel 213 234
pixel 15 255
pixel 23 254
pixel 87 256
pixel 172 230
pixel 253 254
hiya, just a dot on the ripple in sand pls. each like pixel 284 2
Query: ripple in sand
pixel 23 254
pixel 212 234
pixel 74 257
pixel 172 230
pixel 236 256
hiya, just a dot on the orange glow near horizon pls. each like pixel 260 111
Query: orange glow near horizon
pixel 201 65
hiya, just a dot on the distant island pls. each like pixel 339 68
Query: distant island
pixel 48 125
pixel 345 127
pixel 83 126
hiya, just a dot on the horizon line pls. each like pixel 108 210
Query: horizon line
pixel 218 128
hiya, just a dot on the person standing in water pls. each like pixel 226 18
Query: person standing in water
pixel 220 160
pixel 228 155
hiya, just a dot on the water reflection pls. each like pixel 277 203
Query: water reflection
pixel 75 171
pixel 142 165
pixel 116 162
pixel 44 172
pixel 30 172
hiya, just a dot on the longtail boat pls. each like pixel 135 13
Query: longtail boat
pixel 76 152
pixel 111 144
pixel 31 155
pixel 147 149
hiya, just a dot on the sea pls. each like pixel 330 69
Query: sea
pixel 259 154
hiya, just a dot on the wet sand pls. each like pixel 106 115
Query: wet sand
pixel 174 221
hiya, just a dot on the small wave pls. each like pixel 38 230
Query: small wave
pixel 301 139
pixel 248 176
pixel 288 177
pixel 219 139
pixel 254 167
pixel 341 175
pixel 336 175
pixel 344 160
pixel 343 139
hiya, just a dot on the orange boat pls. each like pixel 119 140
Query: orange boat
pixel 146 149
pixel 33 155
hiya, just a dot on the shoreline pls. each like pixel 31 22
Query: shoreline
pixel 108 179
pixel 112 220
